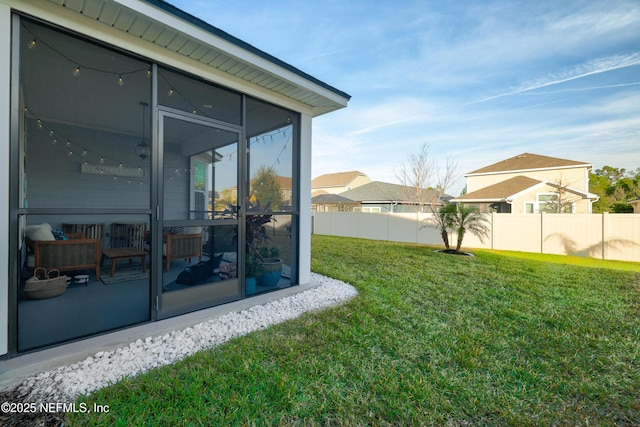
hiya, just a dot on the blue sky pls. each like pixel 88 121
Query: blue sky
pixel 479 81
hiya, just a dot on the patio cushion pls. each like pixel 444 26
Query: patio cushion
pixel 188 230
pixel 39 232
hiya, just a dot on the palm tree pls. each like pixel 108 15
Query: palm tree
pixel 469 219
pixel 442 219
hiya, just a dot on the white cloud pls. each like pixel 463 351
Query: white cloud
pixel 590 68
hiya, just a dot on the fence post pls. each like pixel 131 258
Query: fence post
pixel 605 233
pixel 493 223
pixel 541 232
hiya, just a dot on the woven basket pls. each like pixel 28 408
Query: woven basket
pixel 45 287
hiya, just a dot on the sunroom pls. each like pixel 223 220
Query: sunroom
pixel 157 166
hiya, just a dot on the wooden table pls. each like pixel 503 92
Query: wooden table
pixel 125 253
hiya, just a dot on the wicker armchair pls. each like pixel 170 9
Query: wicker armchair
pixel 182 246
pixel 77 253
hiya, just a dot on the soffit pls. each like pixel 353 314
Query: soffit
pixel 162 24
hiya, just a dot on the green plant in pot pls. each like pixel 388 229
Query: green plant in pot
pixel 271 266
pixel 257 238
pixel 253 273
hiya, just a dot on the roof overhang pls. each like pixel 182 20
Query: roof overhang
pixel 496 200
pixel 511 197
pixel 161 32
pixel 521 171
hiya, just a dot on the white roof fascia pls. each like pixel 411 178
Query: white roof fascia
pixel 528 189
pixel 206 37
pixel 73 21
pixel 478 200
pixel 585 165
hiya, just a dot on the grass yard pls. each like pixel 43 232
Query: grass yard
pixel 431 339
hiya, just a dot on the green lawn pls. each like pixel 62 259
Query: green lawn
pixel 431 339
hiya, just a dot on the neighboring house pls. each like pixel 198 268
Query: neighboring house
pixel 530 183
pixel 636 205
pixel 336 183
pixel 123 116
pixel 332 203
pixel 383 197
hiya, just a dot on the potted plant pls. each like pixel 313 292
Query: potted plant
pixel 253 272
pixel 262 261
pixel 271 266
pixel 257 237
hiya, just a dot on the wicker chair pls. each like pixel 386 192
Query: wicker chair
pixel 77 253
pixel 183 246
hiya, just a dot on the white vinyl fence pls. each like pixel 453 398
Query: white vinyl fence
pixel 606 236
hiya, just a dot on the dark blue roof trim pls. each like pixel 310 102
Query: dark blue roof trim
pixel 167 7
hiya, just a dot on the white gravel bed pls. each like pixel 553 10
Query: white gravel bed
pixel 66 383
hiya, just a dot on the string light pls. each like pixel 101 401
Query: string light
pixel 78 68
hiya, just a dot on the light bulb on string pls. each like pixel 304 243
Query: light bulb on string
pixel 149 73
pixel 33 44
pixel 120 81
pixel 101 160
pixel 170 93
pixel 76 71
pixel 39 124
pixel 68 143
pixel 84 152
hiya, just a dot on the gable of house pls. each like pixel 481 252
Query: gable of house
pixel 390 197
pixel 336 183
pixel 522 194
pixel 565 172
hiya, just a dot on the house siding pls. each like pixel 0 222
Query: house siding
pixel 573 177
pixel 518 204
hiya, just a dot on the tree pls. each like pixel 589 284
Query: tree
pixel 460 219
pixel 561 200
pixel 615 187
pixel 424 180
pixel 469 219
pixel 443 220
pixel 265 187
